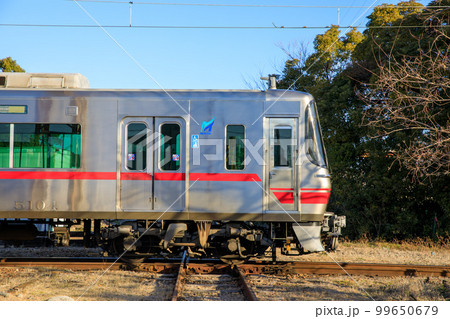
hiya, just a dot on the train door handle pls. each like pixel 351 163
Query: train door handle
pixel 271 174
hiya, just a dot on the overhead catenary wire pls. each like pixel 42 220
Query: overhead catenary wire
pixel 273 27
pixel 253 5
pixel 355 21
pixel 133 59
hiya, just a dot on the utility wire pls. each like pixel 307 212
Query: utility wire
pixel 257 5
pixel 134 60
pixel 274 27
pixel 315 61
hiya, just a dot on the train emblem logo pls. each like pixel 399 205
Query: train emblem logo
pixel 207 127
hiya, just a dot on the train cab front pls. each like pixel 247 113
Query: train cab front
pixel 317 229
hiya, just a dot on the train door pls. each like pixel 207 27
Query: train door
pixel 152 174
pixel 281 149
pixel 136 171
pixel 169 165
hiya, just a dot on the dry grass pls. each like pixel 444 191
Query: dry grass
pixel 211 287
pixel 45 283
pixel 441 243
pixel 36 284
pixel 342 288
pixel 418 252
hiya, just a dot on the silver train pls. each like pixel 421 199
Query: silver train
pixel 216 173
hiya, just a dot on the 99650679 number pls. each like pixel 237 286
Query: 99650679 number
pixel 406 310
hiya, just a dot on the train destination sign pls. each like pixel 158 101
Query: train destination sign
pixel 13 109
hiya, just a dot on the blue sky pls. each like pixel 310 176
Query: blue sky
pixel 174 58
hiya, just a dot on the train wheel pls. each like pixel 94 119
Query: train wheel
pixel 132 260
pixel 334 243
pixel 234 260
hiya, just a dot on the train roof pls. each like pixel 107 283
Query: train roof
pixel 42 85
pixel 269 95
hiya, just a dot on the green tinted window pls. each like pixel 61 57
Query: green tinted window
pixel 136 146
pixel 235 147
pixel 283 146
pixel 170 156
pixel 47 145
pixel 4 145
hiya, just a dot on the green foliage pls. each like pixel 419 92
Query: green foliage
pixel 10 65
pixel 388 15
pixel 331 53
pixel 378 196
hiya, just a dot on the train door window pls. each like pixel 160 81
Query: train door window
pixel 235 147
pixel 47 145
pixel 4 145
pixel 170 156
pixel 282 146
pixel 313 137
pixel 136 146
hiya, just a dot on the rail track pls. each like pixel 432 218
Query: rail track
pixel 232 283
pixel 217 267
pixel 212 279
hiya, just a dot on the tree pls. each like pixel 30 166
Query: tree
pixel 10 65
pixel 332 52
pixel 370 187
pixel 331 55
pixel 410 92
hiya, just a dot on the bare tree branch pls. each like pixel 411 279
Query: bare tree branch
pixel 412 94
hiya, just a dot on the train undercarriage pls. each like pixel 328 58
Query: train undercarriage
pixel 135 240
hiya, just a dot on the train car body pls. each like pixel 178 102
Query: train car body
pixel 178 157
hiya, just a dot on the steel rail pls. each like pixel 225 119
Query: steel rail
pixel 66 263
pixel 180 277
pixel 365 269
pixel 215 267
pixel 75 263
pixel 246 288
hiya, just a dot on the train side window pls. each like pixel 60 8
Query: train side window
pixel 235 147
pixel 170 156
pixel 313 137
pixel 4 145
pixel 47 145
pixel 282 149
pixel 136 146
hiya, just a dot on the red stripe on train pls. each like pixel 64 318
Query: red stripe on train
pixel 314 197
pixel 135 177
pixel 224 177
pixel 192 176
pixel 285 197
pixel 170 177
pixel 305 197
pixel 57 175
